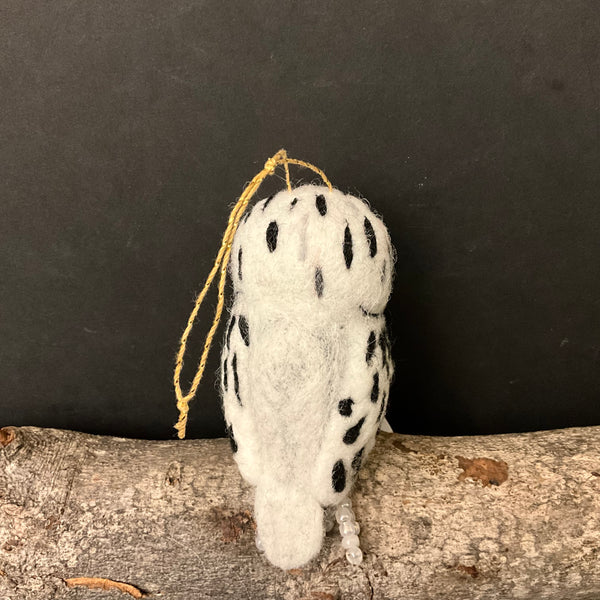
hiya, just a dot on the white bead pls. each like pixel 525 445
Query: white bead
pixel 344 514
pixel 350 541
pixel 354 556
pixel 259 543
pixel 349 528
pixel 347 503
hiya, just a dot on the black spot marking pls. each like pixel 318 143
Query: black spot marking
pixel 357 460
pixel 371 237
pixel 352 434
pixel 338 476
pixel 345 407
pixel 371 346
pixel 293 203
pixel 383 342
pixel 240 264
pixel 231 437
pixel 267 201
pixel 271 235
pixel 244 331
pixel 382 409
pixel 375 388
pixel 319 281
pixel 369 314
pixel 321 205
pixel 224 367
pixel 236 381
pixel 348 247
pixel 231 326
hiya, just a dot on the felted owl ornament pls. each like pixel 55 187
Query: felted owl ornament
pixel 305 363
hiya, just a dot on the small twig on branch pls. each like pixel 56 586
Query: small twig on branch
pixel 100 583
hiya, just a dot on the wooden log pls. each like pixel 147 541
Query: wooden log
pixel 461 518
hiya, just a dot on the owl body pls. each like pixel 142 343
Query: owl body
pixel 306 364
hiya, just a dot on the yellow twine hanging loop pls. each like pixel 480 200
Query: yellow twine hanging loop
pixel 222 261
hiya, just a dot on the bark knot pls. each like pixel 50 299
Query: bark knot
pixel 7 435
pixel 11 544
pixel 403 447
pixel 173 476
pixel 233 525
pixel 486 470
pixel 471 570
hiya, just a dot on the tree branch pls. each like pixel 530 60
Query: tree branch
pixel 489 517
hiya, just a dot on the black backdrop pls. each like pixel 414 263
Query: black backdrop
pixel 128 129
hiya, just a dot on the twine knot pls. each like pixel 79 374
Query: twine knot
pixel 277 159
pixel 271 165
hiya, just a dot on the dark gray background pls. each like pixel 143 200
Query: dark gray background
pixel 128 129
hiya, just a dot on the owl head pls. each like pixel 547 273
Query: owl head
pixel 316 248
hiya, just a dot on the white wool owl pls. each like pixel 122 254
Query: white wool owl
pixel 306 363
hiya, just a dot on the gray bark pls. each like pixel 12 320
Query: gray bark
pixel 494 517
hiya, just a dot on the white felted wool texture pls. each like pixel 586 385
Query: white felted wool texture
pixel 306 364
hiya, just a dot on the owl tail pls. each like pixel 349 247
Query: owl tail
pixel 289 524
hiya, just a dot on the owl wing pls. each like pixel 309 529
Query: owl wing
pixel 240 423
pixel 358 409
